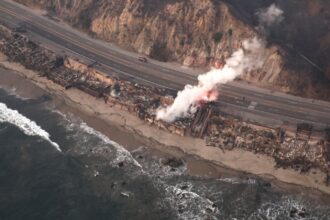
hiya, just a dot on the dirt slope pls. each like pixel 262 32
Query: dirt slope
pixel 196 33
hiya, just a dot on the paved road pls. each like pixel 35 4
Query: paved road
pixel 247 101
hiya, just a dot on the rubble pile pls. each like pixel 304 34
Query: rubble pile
pixel 327 143
pixel 21 49
pixel 62 76
pixel 300 150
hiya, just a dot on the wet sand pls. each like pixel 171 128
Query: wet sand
pixel 131 132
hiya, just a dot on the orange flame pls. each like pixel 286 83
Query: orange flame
pixel 209 96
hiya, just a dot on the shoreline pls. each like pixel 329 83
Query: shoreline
pixel 117 121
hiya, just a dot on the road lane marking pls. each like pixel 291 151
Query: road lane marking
pixel 255 111
pixel 259 95
pixel 89 43
pixel 292 102
pixel 297 107
pixel 252 105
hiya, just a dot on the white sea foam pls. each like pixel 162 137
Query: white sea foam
pixel 122 153
pixel 236 180
pixel 192 205
pixel 76 123
pixel 13 92
pixel 24 124
pixel 284 206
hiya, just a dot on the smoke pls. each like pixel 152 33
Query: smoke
pixel 270 16
pixel 250 57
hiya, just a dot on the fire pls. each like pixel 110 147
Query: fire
pixel 209 96
pixel 219 64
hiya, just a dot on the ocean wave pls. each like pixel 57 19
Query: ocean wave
pixel 236 180
pixel 189 204
pixel 73 123
pixel 186 203
pixel 289 208
pixel 122 153
pixel 12 91
pixel 24 124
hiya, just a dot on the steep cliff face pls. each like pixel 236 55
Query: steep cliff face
pixel 196 33
pixel 306 27
pixel 302 62
pixel 187 31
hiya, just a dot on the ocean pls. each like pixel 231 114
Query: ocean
pixel 54 166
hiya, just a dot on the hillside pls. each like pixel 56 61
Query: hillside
pixel 196 33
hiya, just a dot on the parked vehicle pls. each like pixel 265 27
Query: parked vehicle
pixel 20 29
pixel 143 59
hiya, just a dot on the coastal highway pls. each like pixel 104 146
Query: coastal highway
pixel 238 98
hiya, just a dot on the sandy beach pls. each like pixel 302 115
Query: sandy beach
pixel 129 131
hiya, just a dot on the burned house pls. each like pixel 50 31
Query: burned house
pixel 304 131
pixel 201 120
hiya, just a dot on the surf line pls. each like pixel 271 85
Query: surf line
pixel 26 125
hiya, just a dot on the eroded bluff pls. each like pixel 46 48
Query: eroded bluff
pixel 196 33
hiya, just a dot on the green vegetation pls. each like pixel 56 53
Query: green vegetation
pixel 85 22
pixel 182 42
pixel 217 37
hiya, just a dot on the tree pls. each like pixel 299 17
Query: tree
pixel 217 37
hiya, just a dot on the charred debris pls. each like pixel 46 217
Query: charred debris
pixel 296 148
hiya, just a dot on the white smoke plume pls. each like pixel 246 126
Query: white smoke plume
pixel 250 57
pixel 270 16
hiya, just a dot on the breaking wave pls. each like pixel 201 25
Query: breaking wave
pixel 189 204
pixel 236 180
pixel 289 208
pixel 122 153
pixel 29 127
pixel 75 124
